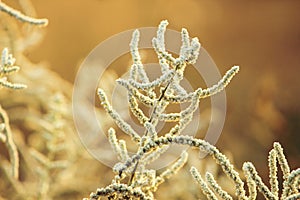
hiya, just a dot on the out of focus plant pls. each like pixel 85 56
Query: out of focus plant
pixel 36 123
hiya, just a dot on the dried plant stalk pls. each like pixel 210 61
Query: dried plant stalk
pixel 151 145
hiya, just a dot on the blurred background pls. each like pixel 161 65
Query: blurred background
pixel 262 37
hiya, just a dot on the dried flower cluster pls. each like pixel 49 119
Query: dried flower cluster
pixel 143 182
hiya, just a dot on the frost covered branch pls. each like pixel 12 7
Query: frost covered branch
pixel 23 18
pixel 158 95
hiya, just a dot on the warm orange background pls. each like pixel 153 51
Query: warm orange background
pixel 263 37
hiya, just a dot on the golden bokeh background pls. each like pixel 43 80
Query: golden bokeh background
pixel 262 37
